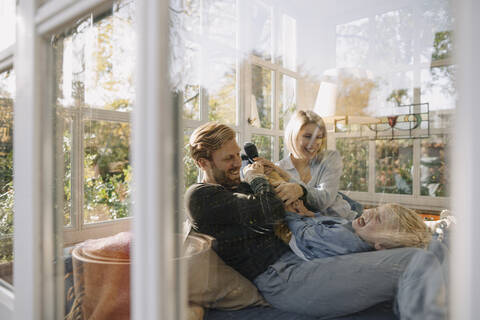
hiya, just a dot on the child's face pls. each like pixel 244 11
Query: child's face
pixel 372 223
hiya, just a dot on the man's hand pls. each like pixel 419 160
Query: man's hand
pixel 289 192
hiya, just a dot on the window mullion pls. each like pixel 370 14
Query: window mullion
pixel 371 166
pixel 275 109
pixel 35 274
pixel 77 170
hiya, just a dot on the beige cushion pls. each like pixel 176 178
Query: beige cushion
pixel 212 283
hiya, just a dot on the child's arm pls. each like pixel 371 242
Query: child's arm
pixel 322 237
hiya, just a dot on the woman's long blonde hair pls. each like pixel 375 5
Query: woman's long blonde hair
pixel 298 120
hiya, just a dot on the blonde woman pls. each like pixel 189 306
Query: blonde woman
pixel 313 173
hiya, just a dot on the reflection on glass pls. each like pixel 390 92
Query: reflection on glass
pixel 7 23
pixel 7 94
pixel 433 167
pixel 352 43
pixel 264 145
pixel 394 43
pixel 261 99
pixel 222 91
pixel 287 43
pixel 287 99
pixel 220 21
pixel 191 11
pixel 67 167
pixel 191 102
pixel 107 171
pixel 97 62
pixel 438 87
pixel 190 169
pixel 355 164
pixel 260 27
pixel 393 166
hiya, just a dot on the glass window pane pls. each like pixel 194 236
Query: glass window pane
pixel 220 21
pixel 67 168
pixel 190 169
pixel 260 29
pixel 352 43
pixel 393 166
pixel 393 42
pixel 222 90
pixel 433 167
pixel 107 171
pixel 287 99
pixel 191 102
pixel 191 81
pixel 264 145
pixel 261 99
pixel 355 164
pixel 7 23
pixel 438 90
pixel 96 60
pixel 7 94
pixel 287 42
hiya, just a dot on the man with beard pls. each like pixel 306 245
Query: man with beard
pixel 242 215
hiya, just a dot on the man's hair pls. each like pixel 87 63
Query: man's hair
pixel 208 138
pixel 298 120
pixel 409 229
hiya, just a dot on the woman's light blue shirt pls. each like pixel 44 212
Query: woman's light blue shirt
pixel 322 189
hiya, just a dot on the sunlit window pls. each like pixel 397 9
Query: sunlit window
pixel 95 65
pixel 405 56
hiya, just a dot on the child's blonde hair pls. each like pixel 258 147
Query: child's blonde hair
pixel 407 229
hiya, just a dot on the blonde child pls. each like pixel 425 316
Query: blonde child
pixel 383 227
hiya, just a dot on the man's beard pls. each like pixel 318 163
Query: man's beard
pixel 223 179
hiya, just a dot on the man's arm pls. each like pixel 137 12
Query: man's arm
pixel 213 204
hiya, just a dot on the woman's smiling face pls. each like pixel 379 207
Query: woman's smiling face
pixel 309 141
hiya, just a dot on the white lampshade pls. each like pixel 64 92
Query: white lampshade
pixel 344 95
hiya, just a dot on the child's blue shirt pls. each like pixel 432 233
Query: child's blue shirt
pixel 322 236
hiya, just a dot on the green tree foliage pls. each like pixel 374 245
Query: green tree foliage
pixel 107 170
pixel 355 164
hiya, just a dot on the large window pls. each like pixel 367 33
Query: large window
pixel 95 60
pixel 406 82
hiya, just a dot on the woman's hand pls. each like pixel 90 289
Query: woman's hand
pixel 270 166
pixel 289 192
